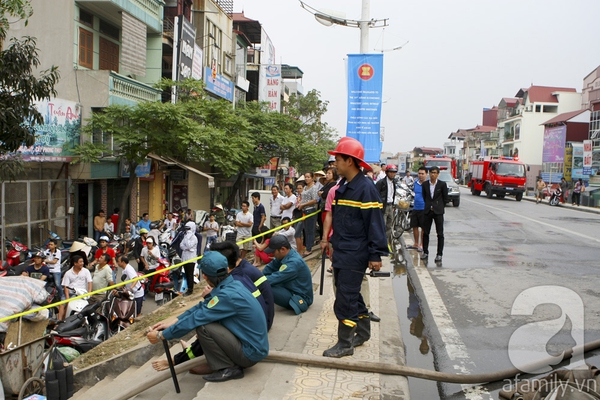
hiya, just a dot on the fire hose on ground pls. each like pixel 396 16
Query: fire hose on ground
pixel 362 366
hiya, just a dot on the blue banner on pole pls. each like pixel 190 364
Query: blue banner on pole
pixel 365 82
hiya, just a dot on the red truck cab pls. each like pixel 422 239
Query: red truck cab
pixel 498 176
pixel 442 162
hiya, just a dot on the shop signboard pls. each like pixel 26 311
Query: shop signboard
pixel 587 157
pixel 59 133
pixel 218 84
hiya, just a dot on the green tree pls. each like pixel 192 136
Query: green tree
pixel 160 128
pixel 233 141
pixel 314 137
pixel 19 88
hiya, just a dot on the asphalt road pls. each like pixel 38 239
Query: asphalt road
pixel 500 254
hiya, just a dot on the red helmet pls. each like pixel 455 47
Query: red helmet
pixel 391 168
pixel 351 147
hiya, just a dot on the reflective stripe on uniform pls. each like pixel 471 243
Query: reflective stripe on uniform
pixel 358 204
pixel 256 293
pixel 260 280
pixel 190 353
pixel 349 322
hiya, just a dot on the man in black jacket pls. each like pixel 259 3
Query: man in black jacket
pixel 435 194
pixel 387 191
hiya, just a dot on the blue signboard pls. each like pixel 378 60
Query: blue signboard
pixel 141 171
pixel 554 177
pixel 218 84
pixel 365 81
pixel 269 181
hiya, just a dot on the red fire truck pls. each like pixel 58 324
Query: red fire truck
pixel 441 161
pixel 498 176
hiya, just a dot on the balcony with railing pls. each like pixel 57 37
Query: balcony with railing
pixel 124 90
pixel 148 11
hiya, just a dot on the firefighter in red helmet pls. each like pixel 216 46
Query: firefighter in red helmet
pixel 358 242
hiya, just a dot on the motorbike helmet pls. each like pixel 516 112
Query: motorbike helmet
pixel 351 147
pixel 391 168
pixel 154 225
pixel 105 238
pixel 143 230
pixel 40 254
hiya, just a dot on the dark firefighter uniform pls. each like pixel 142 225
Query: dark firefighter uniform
pixel 291 282
pixel 358 237
pixel 195 349
pixel 261 282
pixel 237 310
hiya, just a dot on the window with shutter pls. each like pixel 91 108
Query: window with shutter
pixel 86 48
pixel 109 55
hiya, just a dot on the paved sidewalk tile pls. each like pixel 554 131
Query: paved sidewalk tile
pixel 329 383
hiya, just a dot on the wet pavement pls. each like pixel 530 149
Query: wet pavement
pixel 495 250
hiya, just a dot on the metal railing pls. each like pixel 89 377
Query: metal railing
pixel 152 7
pixel 130 89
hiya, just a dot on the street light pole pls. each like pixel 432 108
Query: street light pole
pixel 364 24
pixel 365 20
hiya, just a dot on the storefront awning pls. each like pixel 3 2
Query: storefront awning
pixel 255 176
pixel 211 180
pixel 172 162
pixel 162 160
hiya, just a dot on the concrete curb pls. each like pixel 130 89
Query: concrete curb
pixel 293 334
pixel 567 206
pixel 136 356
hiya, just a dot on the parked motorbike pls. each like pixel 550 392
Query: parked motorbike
pixel 402 209
pixel 228 232
pixel 555 197
pixel 76 306
pixel 82 331
pixel 161 284
pixel 119 308
pixel 16 270
pixel 16 253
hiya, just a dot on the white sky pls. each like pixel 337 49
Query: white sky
pixel 462 56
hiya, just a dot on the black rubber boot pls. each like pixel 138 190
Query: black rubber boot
pixel 363 331
pixel 344 345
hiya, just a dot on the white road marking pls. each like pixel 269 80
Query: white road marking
pixel 453 343
pixel 537 221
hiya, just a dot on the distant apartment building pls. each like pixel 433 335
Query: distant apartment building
pixel 420 153
pixel 522 120
pixel 591 101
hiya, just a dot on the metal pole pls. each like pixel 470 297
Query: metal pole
pixel 364 26
pixel 322 271
pixel 171 365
